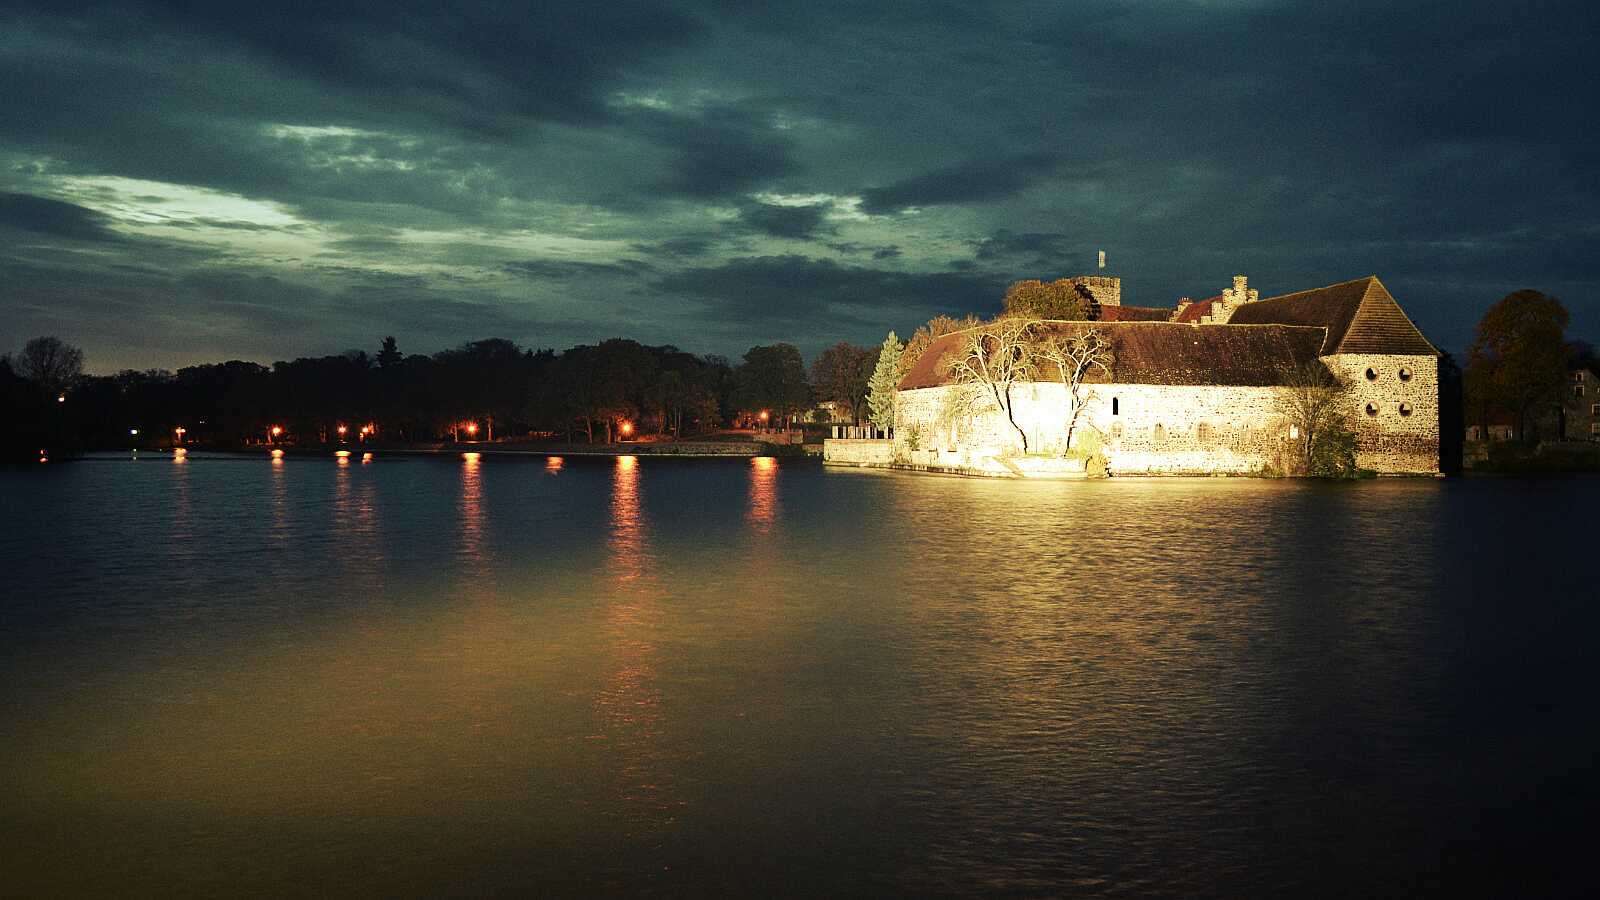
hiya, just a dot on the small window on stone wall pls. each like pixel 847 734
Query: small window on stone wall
pixel 1405 409
pixel 1372 409
pixel 1405 374
pixel 1372 374
pixel 1160 433
pixel 1114 406
pixel 1202 433
pixel 1116 431
pixel 1294 432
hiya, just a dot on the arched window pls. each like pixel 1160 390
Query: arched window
pixel 1159 434
pixel 1116 431
pixel 1114 406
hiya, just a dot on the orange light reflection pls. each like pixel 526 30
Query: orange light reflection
pixel 763 492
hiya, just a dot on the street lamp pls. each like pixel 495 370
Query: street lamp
pixel 273 432
pixel 626 428
pixel 180 431
pixel 342 430
pixel 472 429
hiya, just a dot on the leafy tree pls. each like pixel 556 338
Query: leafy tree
pixel 774 378
pixel 1518 359
pixel 50 363
pixel 841 374
pixel 1315 405
pixel 1034 299
pixel 883 390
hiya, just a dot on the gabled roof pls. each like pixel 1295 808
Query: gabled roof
pixel 1167 353
pixel 1135 313
pixel 1194 311
pixel 1360 317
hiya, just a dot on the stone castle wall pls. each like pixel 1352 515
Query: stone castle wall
pixel 1105 289
pixel 1395 410
pixel 1182 429
pixel 1154 429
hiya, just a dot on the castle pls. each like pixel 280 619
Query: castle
pixel 1195 388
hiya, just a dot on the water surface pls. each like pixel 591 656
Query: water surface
pixel 516 675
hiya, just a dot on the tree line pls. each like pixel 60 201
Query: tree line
pixel 489 389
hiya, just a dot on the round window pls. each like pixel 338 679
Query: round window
pixel 1372 374
pixel 1405 374
pixel 1405 409
pixel 1372 409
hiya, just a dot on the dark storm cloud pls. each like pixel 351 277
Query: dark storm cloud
pixel 965 182
pixel 584 170
pixel 1030 245
pixel 480 67
pixel 810 299
pixel 53 217
pixel 716 153
pixel 798 222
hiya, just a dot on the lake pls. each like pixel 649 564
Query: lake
pixel 511 676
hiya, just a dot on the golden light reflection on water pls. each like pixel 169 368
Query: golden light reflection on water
pixel 763 493
pixel 628 702
pixel 472 545
pixel 553 464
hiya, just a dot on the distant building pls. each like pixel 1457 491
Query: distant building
pixel 1580 406
pixel 1194 388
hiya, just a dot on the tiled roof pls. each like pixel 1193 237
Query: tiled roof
pixel 1360 317
pixel 1167 353
pixel 1192 313
pixel 1135 313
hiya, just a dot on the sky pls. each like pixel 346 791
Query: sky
pixel 186 182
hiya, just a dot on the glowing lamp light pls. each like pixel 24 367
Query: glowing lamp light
pixel 60 398
pixel 626 428
pixel 134 432
pixel 472 428
pixel 553 463
pixel 765 415
pixel 342 430
pixel 366 457
pixel 277 430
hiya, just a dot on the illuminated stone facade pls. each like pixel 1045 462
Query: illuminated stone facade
pixel 1196 397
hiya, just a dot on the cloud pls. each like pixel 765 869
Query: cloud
pixel 797 222
pixel 56 218
pixel 973 180
pixel 805 300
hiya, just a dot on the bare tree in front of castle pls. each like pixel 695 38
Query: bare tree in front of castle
pixel 1315 404
pixel 996 357
pixel 1074 358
